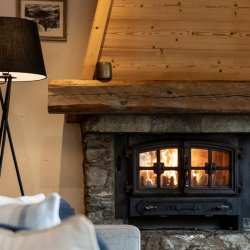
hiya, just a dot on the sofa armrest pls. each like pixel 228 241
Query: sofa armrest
pixel 122 237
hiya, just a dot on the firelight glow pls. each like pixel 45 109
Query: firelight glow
pixel 169 178
pixel 169 157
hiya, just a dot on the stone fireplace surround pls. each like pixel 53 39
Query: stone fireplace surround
pixel 98 145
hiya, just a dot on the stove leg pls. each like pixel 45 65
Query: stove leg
pixel 231 222
pixel 239 223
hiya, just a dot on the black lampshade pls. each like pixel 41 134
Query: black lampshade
pixel 20 50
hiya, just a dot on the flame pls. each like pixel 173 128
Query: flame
pixel 169 178
pixel 147 159
pixel 170 159
pixel 147 177
pixel 199 157
pixel 199 178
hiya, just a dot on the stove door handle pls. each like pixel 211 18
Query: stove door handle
pixel 223 207
pixel 151 207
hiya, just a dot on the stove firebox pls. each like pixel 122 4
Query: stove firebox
pixel 171 180
pixel 184 167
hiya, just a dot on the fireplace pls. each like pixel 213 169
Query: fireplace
pixel 110 143
pixel 171 180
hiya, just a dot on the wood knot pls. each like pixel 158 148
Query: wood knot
pixel 169 92
pixel 123 102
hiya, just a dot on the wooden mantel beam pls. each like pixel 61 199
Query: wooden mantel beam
pixel 148 97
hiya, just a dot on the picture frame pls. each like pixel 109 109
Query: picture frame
pixel 50 16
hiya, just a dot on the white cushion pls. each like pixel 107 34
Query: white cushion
pixel 40 215
pixel 4 200
pixel 75 233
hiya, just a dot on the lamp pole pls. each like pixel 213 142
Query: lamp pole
pixel 4 128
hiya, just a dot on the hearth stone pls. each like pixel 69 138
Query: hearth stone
pixel 195 240
pixel 98 144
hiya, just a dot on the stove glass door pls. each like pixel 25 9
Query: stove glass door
pixel 158 168
pixel 210 168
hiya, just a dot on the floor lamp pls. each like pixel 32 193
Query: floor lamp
pixel 21 60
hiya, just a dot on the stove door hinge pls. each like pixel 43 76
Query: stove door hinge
pixel 128 153
pixel 240 153
pixel 128 188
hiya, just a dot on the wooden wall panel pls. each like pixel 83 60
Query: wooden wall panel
pixel 210 3
pixel 178 34
pixel 179 64
pixel 220 10
pixel 179 40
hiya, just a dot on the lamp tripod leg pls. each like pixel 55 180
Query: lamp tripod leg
pixel 15 161
pixel 5 128
pixel 5 107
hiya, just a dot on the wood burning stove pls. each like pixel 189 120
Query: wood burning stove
pixel 180 176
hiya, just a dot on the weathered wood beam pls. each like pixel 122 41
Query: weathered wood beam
pixel 148 97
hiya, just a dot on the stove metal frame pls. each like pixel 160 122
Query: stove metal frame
pixel 133 203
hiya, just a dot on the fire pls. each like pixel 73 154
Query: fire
pixel 169 157
pixel 199 157
pixel 148 177
pixel 169 177
pixel 199 178
pixel 147 159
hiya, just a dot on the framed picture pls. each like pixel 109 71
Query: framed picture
pixel 50 16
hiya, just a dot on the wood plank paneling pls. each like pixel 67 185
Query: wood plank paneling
pixel 201 11
pixel 211 3
pixel 178 34
pixel 179 64
pixel 185 39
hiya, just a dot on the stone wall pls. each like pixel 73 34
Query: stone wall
pixel 99 176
